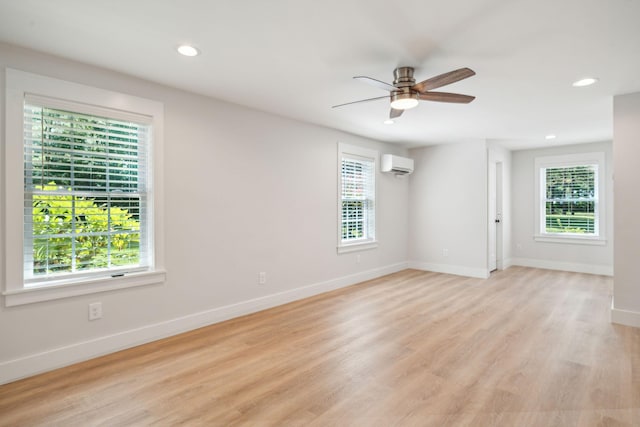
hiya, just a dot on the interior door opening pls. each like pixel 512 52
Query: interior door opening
pixel 495 216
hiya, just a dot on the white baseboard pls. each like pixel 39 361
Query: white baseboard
pixel 63 356
pixel 624 317
pixel 458 270
pixel 604 270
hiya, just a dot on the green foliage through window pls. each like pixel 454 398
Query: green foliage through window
pixel 75 233
pixel 570 203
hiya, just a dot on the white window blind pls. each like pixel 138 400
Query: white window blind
pixel 85 193
pixel 570 199
pixel 358 199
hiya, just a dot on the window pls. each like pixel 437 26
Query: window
pixel 80 204
pixel 357 189
pixel 570 193
pixel 84 193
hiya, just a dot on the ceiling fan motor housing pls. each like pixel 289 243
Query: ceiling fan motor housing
pixel 404 97
pixel 403 77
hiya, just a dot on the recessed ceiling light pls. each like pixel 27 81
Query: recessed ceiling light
pixel 587 81
pixel 551 136
pixel 188 50
pixel 388 122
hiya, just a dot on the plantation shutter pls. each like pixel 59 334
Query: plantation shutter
pixel 85 186
pixel 571 200
pixel 358 198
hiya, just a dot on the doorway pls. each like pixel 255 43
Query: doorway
pixel 495 216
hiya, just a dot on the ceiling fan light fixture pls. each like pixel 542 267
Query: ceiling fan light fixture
pixel 404 100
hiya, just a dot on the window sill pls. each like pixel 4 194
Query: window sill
pixel 354 247
pixel 571 239
pixel 84 287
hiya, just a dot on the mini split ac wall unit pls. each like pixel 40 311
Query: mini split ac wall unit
pixel 396 164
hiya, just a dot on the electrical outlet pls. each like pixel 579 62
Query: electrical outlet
pixel 445 252
pixel 95 311
pixel 358 259
pixel 262 278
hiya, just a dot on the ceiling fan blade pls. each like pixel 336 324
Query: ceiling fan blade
pixel 443 79
pixel 362 100
pixel 446 97
pixel 377 83
pixel 395 113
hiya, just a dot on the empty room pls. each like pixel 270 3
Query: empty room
pixel 299 213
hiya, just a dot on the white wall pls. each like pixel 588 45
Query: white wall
pixel 245 191
pixel 561 256
pixel 448 209
pixel 626 154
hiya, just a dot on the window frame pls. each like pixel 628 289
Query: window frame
pixel 87 99
pixel 565 161
pixel 357 153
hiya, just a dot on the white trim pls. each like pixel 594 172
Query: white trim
pixel 355 247
pixel 33 364
pixel 87 286
pixel 35 84
pixel 570 239
pixel 357 151
pixel 624 317
pixel 458 270
pixel 569 160
pixel 604 270
pixel 63 104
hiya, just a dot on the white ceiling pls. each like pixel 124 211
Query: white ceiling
pixel 296 58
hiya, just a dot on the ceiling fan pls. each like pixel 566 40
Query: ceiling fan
pixel 405 93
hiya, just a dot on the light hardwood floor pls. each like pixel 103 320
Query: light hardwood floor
pixel 526 347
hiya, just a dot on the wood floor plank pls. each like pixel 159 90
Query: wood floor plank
pixel 526 347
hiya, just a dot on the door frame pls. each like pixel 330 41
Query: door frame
pixel 495 213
